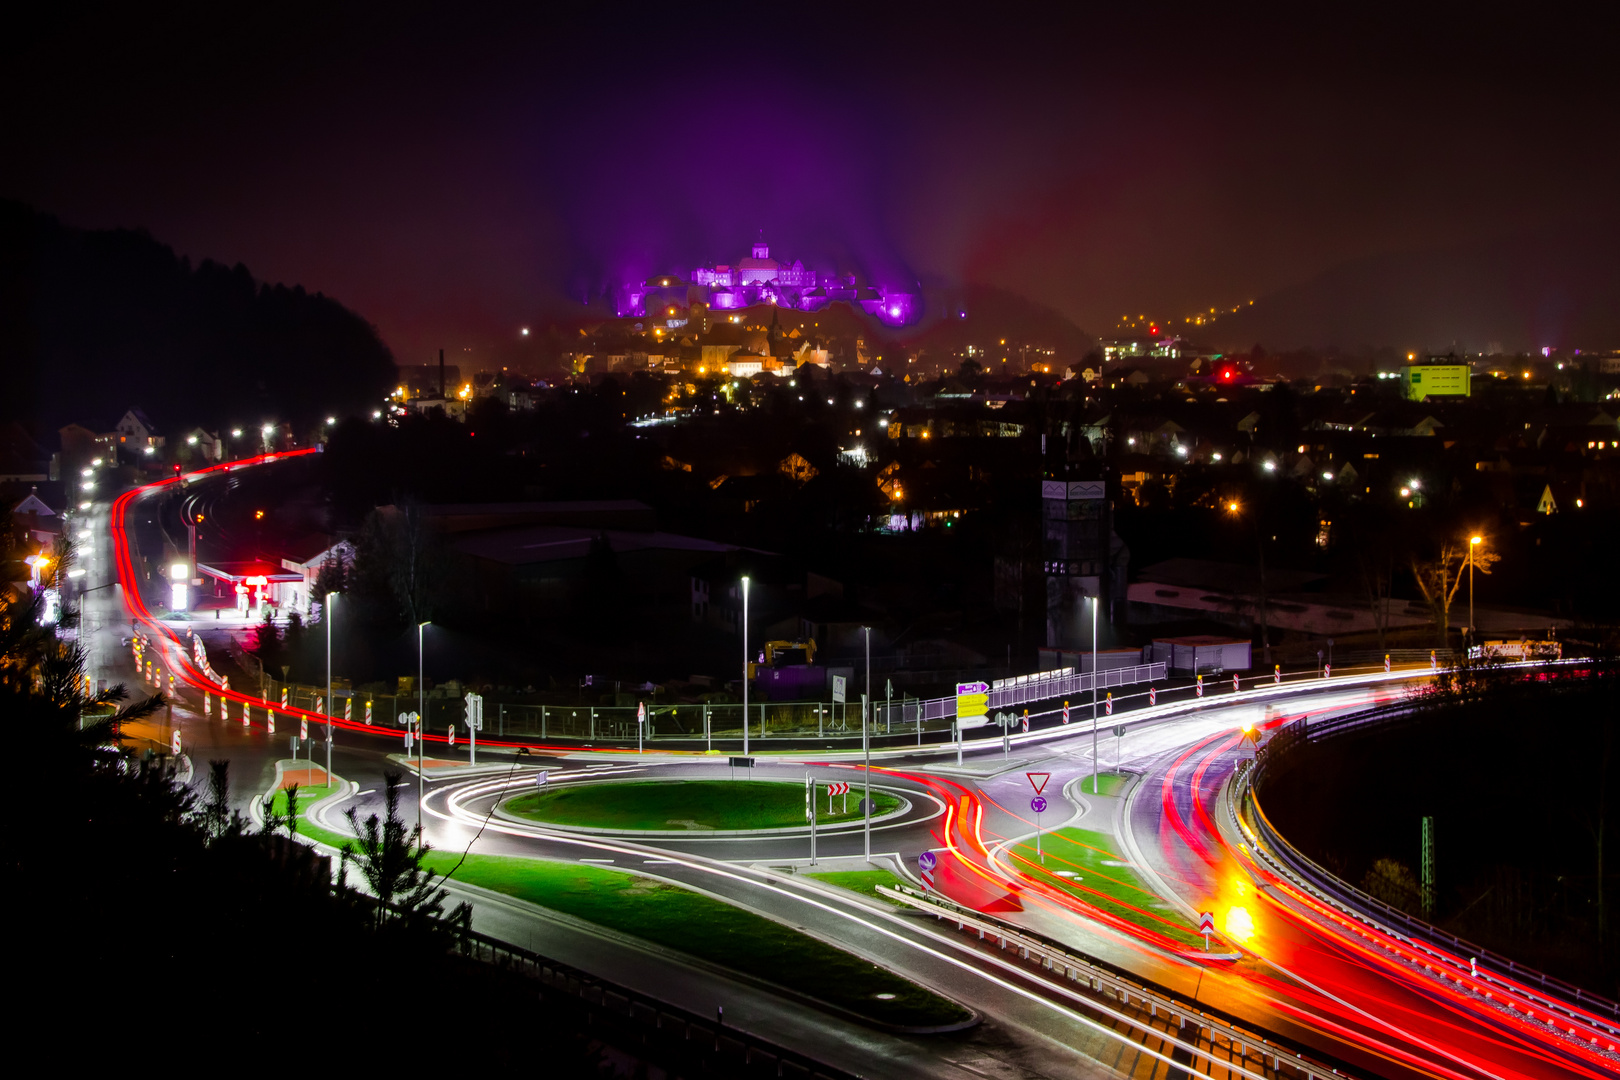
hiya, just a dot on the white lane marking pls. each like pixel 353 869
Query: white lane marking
pixel 1070 1014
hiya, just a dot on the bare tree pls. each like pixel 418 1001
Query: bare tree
pixel 1440 577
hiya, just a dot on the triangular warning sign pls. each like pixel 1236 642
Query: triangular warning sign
pixel 1037 780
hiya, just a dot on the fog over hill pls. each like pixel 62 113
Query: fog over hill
pixel 1558 288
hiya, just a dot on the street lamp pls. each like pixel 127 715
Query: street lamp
pixel 745 663
pixel 421 729
pixel 326 617
pixel 1473 542
pixel 1095 778
pixel 866 746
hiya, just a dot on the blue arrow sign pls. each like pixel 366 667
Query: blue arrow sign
pixel 1038 804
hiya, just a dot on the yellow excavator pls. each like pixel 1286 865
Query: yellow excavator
pixel 780 653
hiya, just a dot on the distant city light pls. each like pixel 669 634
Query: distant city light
pixel 87 472
pixel 330 420
pixel 191 440
pixel 84 505
pixel 1327 476
pixel 1215 457
pixel 525 331
pixel 1270 466
pixel 269 429
pixel 149 450
pixel 1181 451
pixel 236 433
pixel 376 414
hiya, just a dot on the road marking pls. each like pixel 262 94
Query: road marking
pixel 603 860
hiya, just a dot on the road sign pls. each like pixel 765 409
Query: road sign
pixel 1236 686
pixel 475 711
pixel 303 727
pixel 269 719
pixel 1200 686
pixel 283 697
pixel 838 689
pixel 1065 712
pixel 972 699
pixel 1108 704
pixel 451 739
pixel 540 778
pixel 1037 780
pixel 1276 674
pixel 925 868
pixel 1038 805
pixel 1119 731
pixel 348 710
pixel 742 763
pixel 1206 926
pixel 838 787
pixel 1153 696
pixel 641 713
pixel 174 742
pixel 809 800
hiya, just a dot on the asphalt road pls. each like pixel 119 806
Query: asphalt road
pixel 1300 974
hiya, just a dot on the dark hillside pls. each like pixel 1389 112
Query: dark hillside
pixel 95 322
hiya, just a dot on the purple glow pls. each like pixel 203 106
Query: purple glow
pixel 760 279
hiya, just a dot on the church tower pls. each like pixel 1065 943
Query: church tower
pixel 762 250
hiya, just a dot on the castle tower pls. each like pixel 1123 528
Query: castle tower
pixel 762 250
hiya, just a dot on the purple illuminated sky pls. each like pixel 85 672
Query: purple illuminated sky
pixel 453 176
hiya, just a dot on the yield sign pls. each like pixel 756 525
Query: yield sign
pixel 1037 780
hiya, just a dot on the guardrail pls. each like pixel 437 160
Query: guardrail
pixel 1102 981
pixel 1557 996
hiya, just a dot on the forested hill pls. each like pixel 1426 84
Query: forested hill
pixel 95 322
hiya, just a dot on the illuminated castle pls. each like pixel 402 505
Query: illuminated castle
pixel 760 279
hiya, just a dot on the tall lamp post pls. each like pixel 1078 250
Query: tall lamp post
pixel 866 746
pixel 421 728
pixel 326 617
pixel 1473 543
pixel 1096 601
pixel 745 663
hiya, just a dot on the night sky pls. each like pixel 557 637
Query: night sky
pixel 456 175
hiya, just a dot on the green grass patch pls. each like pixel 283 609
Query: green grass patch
pixel 862 881
pixel 1102 879
pixel 1109 784
pixel 307 798
pixel 686 804
pixel 709 929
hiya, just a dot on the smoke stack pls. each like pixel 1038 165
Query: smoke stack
pixel 441 374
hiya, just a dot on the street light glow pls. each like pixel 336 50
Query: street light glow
pixel 1474 540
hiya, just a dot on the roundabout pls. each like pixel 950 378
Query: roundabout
pixel 682 806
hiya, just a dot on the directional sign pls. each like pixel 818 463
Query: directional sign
pixel 925 867
pixel 838 787
pixel 1119 730
pixel 474 712
pixel 838 689
pixel 972 699
pixel 641 713
pixel 1206 923
pixel 540 778
pixel 742 763
pixel 1038 805
pixel 1037 780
